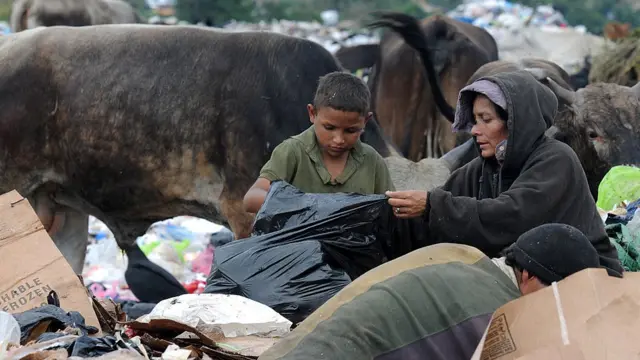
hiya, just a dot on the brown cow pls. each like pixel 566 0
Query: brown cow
pixel 600 122
pixel 29 14
pixel 403 100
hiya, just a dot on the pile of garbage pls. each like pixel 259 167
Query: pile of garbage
pixel 491 14
pixel 620 65
pixel 193 327
pixel 618 203
pixel 184 246
pixel 331 37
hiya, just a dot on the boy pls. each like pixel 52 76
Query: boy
pixel 328 157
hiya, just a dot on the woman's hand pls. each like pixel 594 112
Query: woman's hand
pixel 408 204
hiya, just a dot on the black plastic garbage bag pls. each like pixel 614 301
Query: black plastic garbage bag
pixel 307 243
pixel 135 309
pixel 293 279
pixel 60 320
pixel 354 229
pixel 85 346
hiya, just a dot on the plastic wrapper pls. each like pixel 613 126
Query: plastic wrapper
pixel 621 183
pixel 9 331
pixel 305 248
pixel 232 316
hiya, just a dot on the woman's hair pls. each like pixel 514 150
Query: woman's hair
pixel 502 113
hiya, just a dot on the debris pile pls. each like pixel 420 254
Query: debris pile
pixel 504 14
pixel 331 37
pixel 620 65
pixel 184 246
pixel 190 327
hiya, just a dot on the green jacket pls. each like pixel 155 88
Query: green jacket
pixel 433 303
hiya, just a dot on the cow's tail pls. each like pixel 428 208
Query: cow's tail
pixel 19 14
pixel 409 29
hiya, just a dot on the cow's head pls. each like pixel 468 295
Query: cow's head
pixel 601 123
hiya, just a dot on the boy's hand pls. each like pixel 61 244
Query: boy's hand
pixel 408 204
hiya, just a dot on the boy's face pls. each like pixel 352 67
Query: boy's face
pixel 337 131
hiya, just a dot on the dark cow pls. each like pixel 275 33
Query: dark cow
pixel 29 14
pixel 600 122
pixel 135 124
pixel 402 97
pixel 139 123
pixel 602 125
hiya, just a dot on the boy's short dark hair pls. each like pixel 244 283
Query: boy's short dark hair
pixel 342 91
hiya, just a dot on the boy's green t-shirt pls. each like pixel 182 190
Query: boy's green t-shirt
pixel 298 161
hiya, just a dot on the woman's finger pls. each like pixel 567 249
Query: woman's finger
pixel 396 194
pixel 399 202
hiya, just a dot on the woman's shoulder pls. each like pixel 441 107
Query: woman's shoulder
pixel 551 149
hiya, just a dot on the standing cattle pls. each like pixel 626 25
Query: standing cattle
pixel 403 100
pixel 29 14
pixel 600 122
pixel 87 127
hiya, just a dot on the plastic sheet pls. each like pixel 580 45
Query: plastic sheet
pixel 306 248
pixel 9 331
pixel 31 322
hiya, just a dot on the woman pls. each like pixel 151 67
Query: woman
pixel 521 180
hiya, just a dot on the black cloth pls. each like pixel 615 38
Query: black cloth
pixel 552 252
pixel 541 181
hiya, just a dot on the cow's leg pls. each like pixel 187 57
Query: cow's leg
pixel 71 238
pixel 67 227
pixel 239 220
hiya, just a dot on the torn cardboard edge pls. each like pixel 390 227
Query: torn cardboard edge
pixel 33 265
pixel 589 315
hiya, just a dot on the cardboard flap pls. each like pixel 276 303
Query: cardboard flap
pixel 589 315
pixel 32 265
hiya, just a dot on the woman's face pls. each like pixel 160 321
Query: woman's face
pixel 489 129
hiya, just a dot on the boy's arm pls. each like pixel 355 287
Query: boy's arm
pixel 383 177
pixel 281 166
pixel 254 198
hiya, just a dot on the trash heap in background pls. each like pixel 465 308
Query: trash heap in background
pixel 331 37
pixel 525 32
pixel 504 14
pixel 180 245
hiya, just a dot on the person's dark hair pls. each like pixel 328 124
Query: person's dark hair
pixel 342 91
pixel 502 113
pixel 510 260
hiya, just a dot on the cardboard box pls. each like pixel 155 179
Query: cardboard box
pixel 588 315
pixel 32 265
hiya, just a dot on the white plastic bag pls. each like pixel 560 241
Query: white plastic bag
pixel 9 332
pixel 235 315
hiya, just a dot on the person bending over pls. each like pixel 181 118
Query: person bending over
pixel 435 302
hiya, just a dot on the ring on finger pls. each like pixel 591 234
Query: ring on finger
pixel 397 210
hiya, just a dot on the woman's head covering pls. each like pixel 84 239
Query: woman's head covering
pixel 464 111
pixel 551 252
pixel 530 107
